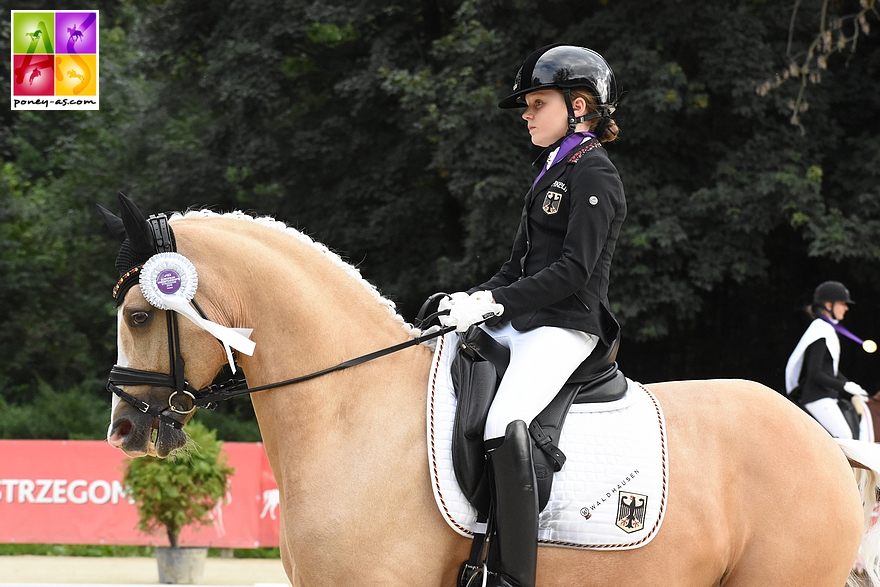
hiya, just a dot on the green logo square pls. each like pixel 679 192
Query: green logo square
pixel 33 32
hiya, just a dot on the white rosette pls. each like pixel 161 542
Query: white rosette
pixel 169 281
pixel 167 278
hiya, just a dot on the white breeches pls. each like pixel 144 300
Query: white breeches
pixel 828 414
pixel 541 361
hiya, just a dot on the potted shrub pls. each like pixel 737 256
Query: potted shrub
pixel 179 491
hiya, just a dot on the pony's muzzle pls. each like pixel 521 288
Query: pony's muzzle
pixel 139 434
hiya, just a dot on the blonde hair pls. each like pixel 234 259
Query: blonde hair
pixel 611 130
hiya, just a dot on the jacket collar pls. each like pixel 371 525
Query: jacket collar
pixel 570 158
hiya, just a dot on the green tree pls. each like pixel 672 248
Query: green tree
pixel 373 127
pixel 173 493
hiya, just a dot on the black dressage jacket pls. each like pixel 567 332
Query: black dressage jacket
pixel 818 379
pixel 557 274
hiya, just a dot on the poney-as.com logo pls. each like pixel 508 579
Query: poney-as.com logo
pixel 54 60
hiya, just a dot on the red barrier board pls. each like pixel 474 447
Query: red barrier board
pixel 70 492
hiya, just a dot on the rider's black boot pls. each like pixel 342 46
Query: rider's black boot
pixel 513 548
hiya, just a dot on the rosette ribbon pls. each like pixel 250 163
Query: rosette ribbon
pixel 169 281
pixel 869 346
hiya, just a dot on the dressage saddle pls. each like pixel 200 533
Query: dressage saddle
pixel 477 370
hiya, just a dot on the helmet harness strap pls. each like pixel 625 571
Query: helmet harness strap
pixel 573 120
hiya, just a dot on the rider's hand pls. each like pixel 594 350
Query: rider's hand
pixel 448 301
pixel 854 388
pixel 486 297
pixel 466 311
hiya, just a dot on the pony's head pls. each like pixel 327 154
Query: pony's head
pixel 240 271
pixel 152 398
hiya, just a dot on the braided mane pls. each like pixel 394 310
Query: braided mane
pixel 330 255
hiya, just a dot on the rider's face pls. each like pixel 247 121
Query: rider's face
pixel 546 116
pixel 837 309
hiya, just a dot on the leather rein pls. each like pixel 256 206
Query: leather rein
pixel 184 398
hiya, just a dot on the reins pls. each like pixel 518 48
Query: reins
pixel 233 386
pixel 219 394
pixel 215 392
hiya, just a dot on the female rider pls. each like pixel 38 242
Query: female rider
pixel 811 376
pixel 550 299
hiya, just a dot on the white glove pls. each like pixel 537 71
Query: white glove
pixel 447 302
pixel 466 311
pixel 485 296
pixel 854 388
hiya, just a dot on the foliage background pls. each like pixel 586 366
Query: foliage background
pixel 373 127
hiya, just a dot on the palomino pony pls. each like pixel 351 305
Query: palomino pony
pixel 759 494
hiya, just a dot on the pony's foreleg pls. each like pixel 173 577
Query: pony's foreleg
pixel 864 457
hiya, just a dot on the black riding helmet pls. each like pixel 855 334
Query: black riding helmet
pixel 831 291
pixel 563 67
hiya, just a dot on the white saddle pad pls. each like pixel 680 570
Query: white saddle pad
pixel 610 495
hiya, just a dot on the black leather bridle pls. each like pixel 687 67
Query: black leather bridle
pixel 164 239
pixel 226 385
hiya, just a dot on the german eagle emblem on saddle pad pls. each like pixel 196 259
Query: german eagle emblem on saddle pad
pixel 610 494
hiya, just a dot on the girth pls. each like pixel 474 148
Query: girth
pixel 477 370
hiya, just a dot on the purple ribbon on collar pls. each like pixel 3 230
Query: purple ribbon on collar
pixel 868 345
pixel 569 143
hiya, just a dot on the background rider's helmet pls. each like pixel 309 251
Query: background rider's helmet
pixel 831 291
pixel 565 66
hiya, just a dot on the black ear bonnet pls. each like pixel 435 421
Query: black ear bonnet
pixel 141 239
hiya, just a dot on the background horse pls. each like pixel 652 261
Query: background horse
pixel 759 494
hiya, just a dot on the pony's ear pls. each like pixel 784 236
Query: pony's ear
pixel 113 222
pixel 136 227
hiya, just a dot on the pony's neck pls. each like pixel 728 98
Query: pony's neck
pixel 307 306
pixel 308 310
pixel 340 444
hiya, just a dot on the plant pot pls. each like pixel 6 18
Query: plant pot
pixel 181 565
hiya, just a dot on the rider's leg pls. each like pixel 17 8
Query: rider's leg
pixel 541 361
pixel 828 414
pixel 513 549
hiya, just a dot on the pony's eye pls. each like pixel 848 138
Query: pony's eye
pixel 139 318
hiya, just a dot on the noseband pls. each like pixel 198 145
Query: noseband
pixel 226 385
